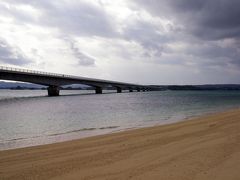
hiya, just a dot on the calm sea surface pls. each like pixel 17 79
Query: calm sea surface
pixel 29 117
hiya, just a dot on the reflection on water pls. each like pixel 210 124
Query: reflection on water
pixel 29 117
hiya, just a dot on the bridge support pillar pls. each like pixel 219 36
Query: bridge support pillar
pixel 119 90
pixel 98 90
pixel 130 90
pixel 138 89
pixel 53 91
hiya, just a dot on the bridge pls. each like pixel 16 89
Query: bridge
pixel 54 81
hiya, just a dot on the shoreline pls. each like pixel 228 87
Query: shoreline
pixel 94 132
pixel 194 148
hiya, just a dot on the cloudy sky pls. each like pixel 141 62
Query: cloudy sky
pixel 138 41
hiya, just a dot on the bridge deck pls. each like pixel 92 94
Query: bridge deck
pixel 55 80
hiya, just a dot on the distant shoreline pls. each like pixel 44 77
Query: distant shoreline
pixel 204 87
pixel 206 147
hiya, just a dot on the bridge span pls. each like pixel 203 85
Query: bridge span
pixel 55 81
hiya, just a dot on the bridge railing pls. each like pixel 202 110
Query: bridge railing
pixel 32 71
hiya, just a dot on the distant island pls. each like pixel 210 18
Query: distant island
pixel 29 86
pixel 201 87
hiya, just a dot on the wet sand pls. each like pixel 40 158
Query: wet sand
pixel 204 148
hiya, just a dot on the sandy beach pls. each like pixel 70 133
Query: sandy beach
pixel 204 148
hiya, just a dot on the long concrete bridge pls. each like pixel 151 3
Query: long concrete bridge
pixel 55 81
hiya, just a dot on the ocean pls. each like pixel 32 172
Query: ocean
pixel 30 117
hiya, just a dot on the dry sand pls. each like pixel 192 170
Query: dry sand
pixel 206 148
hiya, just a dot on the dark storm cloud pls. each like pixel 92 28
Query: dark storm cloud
pixel 208 29
pixel 206 19
pixel 11 55
pixel 147 35
pixel 212 51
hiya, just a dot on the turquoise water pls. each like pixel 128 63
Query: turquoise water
pixel 29 117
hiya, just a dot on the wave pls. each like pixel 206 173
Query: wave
pixel 62 133
pixel 21 138
pixel 84 129
pixel 73 131
pixel 109 127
